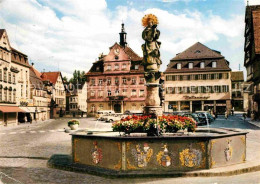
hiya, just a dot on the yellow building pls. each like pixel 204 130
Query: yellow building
pixel 198 79
pixel 9 87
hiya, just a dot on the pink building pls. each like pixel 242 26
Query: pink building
pixel 116 81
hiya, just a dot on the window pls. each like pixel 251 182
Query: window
pixel 93 82
pixel 117 92
pixel 124 80
pixel 9 96
pixel 133 93
pixel 124 66
pixel 1 75
pixel 214 64
pixel 93 108
pixel 141 80
pixel 202 65
pixel 179 66
pixel 100 82
pixel 97 69
pixel 5 76
pixel 136 67
pixel 190 65
pixel 14 78
pixel 100 93
pixel 116 81
pixel 14 96
pixel 141 92
pixel 5 95
pixel 124 91
pixel 1 98
pixel 108 67
pixel 92 93
pixel 108 81
pixel 116 67
pixel 21 90
pixel 133 80
pixel 108 93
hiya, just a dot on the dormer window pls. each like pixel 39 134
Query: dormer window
pixel 197 51
pixel 179 66
pixel 136 67
pixel 202 65
pixel 190 65
pixel 214 64
pixel 97 69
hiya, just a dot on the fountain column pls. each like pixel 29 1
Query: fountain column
pixel 151 62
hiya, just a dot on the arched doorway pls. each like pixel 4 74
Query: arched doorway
pixel 117 108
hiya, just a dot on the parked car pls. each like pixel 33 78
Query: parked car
pixel 203 116
pixel 112 118
pixel 99 114
pixel 127 112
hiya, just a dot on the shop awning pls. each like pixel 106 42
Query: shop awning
pixel 7 109
pixel 31 109
pixel 25 109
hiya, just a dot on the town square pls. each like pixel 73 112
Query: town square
pixel 160 91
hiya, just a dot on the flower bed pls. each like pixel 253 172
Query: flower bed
pixel 170 123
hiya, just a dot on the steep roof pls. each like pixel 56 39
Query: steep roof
pixel 2 32
pixel 36 72
pixel 19 58
pixel 237 76
pixel 256 27
pixel 36 81
pixel 196 51
pixel 196 54
pixel 51 76
pixel 132 54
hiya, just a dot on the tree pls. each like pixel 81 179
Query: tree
pixel 78 77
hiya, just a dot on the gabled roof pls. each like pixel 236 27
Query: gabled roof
pixel 126 53
pixel 196 54
pixel 35 80
pixel 2 32
pixel 196 51
pixel 237 76
pixel 36 72
pixel 50 76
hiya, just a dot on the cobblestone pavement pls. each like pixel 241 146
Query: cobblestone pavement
pixel 25 149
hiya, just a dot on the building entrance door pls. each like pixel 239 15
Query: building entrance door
pixel 117 108
pixel 196 106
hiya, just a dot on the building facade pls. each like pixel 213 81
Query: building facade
pixel 40 97
pixel 116 81
pixel 198 79
pixel 252 57
pixel 77 100
pixel 237 80
pixel 9 87
pixel 20 61
pixel 58 93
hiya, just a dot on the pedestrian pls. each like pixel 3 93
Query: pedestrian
pixel 244 116
pixel 226 115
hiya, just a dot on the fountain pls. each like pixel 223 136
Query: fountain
pixel 110 153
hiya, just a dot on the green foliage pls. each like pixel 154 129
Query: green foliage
pixel 73 122
pixel 78 77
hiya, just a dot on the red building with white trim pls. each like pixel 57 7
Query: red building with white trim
pixel 116 81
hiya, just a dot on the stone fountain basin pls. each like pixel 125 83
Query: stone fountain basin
pixel 204 149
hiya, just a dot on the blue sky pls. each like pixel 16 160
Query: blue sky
pixel 68 35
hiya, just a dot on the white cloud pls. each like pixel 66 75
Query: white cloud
pixel 252 2
pixel 81 30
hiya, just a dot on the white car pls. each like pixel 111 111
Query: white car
pixel 111 119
